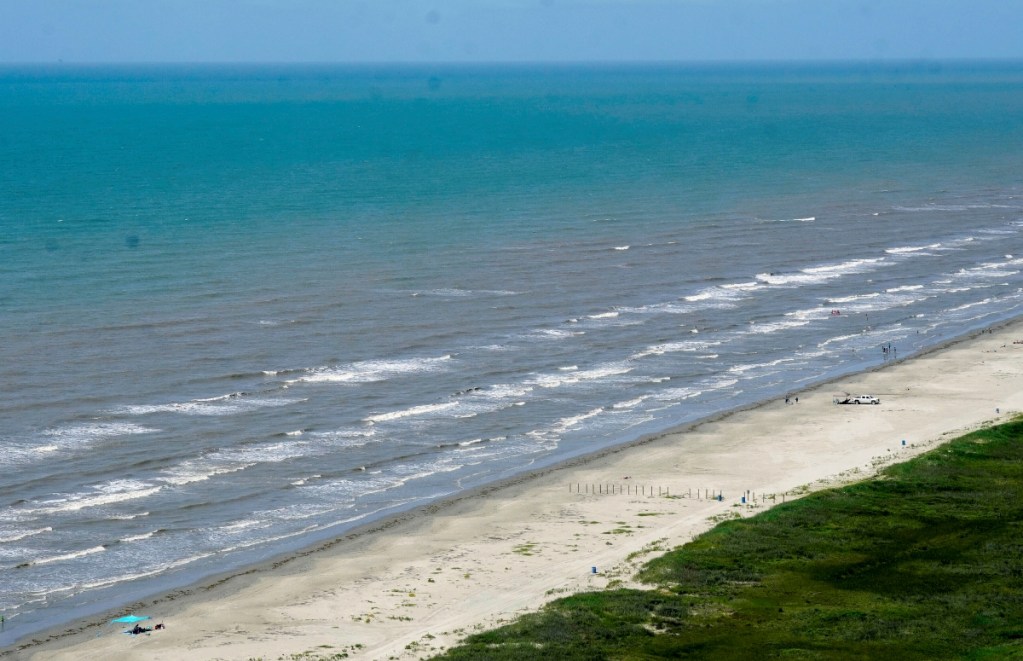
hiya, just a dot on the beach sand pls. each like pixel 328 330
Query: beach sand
pixel 413 585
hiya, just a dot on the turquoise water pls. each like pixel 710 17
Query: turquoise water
pixel 245 309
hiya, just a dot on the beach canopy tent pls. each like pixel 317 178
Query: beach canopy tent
pixel 129 619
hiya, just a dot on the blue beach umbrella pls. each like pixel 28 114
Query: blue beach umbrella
pixel 129 619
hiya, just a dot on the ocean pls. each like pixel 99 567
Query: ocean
pixel 245 309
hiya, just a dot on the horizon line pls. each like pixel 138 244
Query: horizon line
pixel 921 61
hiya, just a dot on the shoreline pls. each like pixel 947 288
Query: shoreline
pixel 419 580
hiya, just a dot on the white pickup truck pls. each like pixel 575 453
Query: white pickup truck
pixel 857 399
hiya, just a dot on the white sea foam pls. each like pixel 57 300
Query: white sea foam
pixel 134 575
pixel 484 401
pixel 674 395
pixel 630 404
pixel 368 371
pixel 967 306
pixel 718 383
pixel 762 328
pixel 345 438
pixel 853 298
pixel 911 250
pixel 808 314
pixel 198 470
pixel 16 535
pixel 69 556
pixel 683 346
pixel 239 458
pixel 749 367
pixel 669 307
pixel 459 293
pixel 603 371
pixel 417 470
pixel 453 292
pixel 599 372
pixel 491 347
pixel 127 517
pixel 560 427
pixel 950 207
pixel 839 339
pixel 576 420
pixel 806 219
pixel 108 493
pixel 211 406
pixel 236 527
pixel 622 247
pixel 425 409
pixel 823 273
pixel 930 207
pixel 75 435
pixel 138 538
pixel 504 391
pixel 718 296
pixel 13 452
pixel 744 286
pixel 554 333
pixel 445 292
pixel 346 490
pixel 604 315
pixel 985 271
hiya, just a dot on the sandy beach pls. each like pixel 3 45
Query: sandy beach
pixel 411 586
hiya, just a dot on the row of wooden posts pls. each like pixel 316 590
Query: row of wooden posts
pixel 611 489
pixel 623 489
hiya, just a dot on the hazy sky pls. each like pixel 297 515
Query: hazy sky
pixel 505 30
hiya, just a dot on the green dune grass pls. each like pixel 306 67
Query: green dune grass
pixel 924 561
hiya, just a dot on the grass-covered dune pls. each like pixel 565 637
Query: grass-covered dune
pixel 924 561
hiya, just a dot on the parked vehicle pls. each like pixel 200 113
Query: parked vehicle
pixel 858 399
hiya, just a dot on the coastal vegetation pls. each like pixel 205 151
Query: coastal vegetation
pixel 924 561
